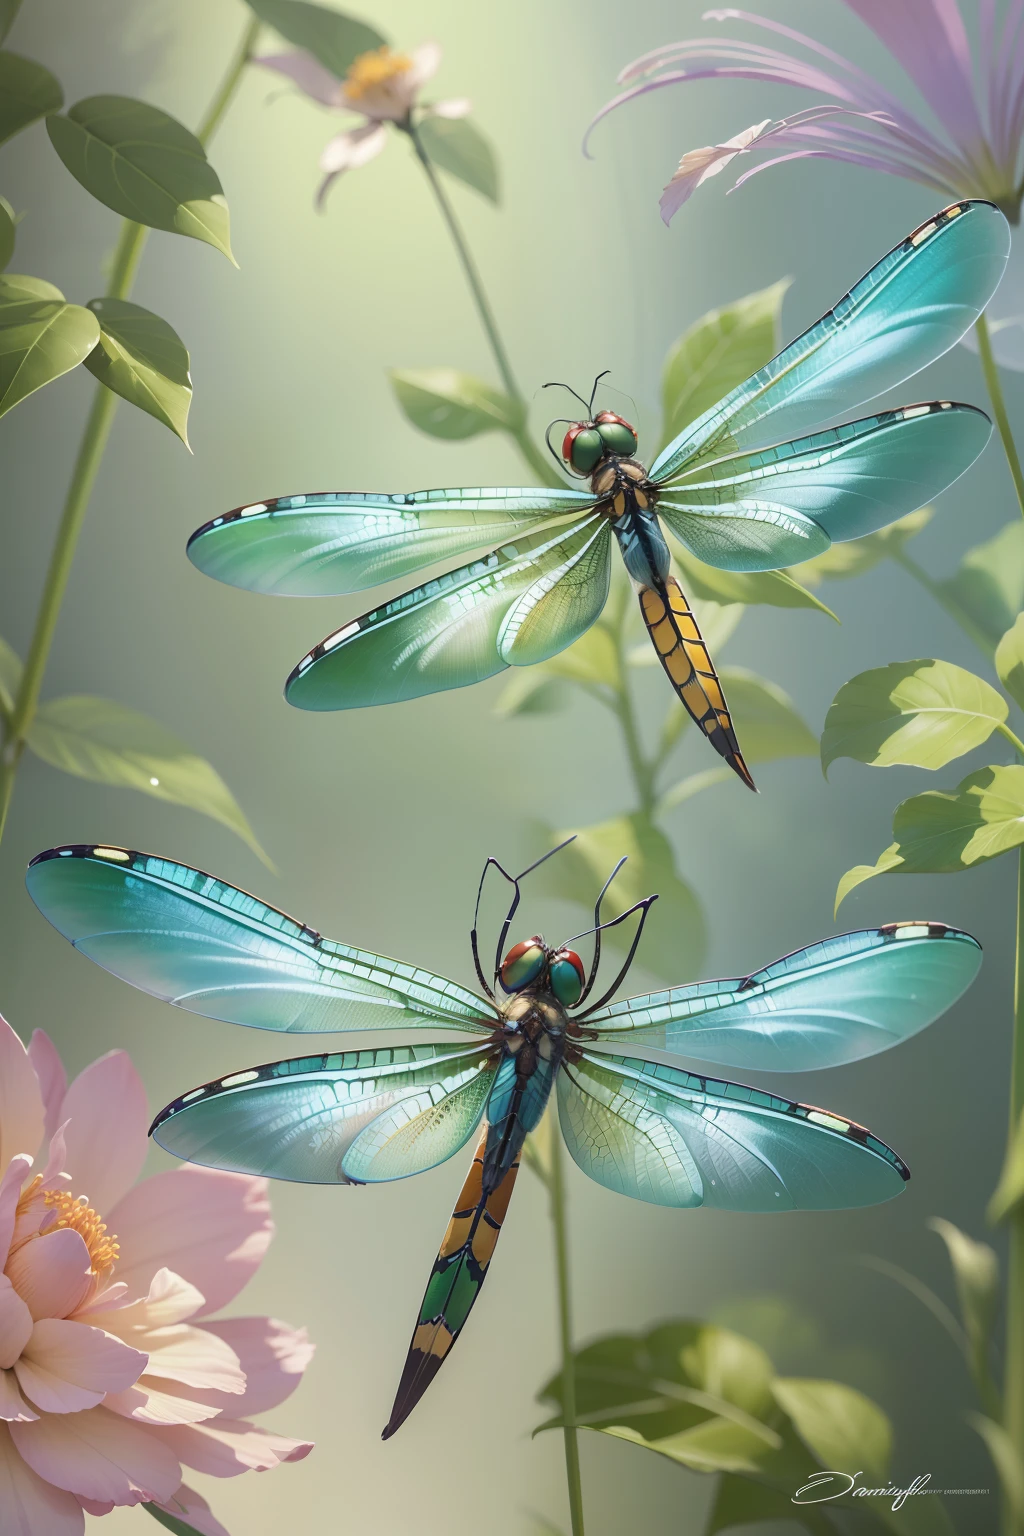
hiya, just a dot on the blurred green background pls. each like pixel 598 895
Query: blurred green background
pixel 379 820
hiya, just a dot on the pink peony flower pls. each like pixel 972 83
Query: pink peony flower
pixel 113 1377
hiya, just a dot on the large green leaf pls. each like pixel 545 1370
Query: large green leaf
pixel 145 165
pixel 976 1276
pixel 41 336
pixel 777 589
pixel 842 1428
pixel 719 351
pixel 675 935
pixel 446 403
pixel 335 39
pixel 1005 1459
pixel 859 555
pixel 458 147
pixel 27 92
pixel 717 1445
pixel 8 225
pixel 989 585
pixel 8 11
pixel 103 741
pixel 740 1501
pixel 1009 1192
pixel 144 361
pixel 1010 660
pixel 925 713
pixel 941 834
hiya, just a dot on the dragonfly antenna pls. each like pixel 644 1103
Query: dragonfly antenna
pixel 513 880
pixel 593 392
pixel 643 907
pixel 557 384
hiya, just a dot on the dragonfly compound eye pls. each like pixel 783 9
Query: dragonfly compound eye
pixel 617 435
pixel 567 977
pixel 523 964
pixel 582 447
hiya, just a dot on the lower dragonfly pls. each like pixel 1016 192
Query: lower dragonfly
pixel 649 1129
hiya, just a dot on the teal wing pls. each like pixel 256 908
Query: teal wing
pixel 518 604
pixel 846 998
pixel 192 940
pixel 659 1134
pixel 911 307
pixel 355 1117
pixel 780 506
pixel 344 541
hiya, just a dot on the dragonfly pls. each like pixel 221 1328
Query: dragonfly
pixel 651 1129
pixel 759 482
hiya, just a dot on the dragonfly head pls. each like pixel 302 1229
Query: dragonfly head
pixel 531 963
pixel 587 442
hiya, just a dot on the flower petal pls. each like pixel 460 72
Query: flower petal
pixel 103 1301
pixel 100 1455
pixel 426 60
pixel 192 1508
pixel 193 1357
pixel 15 1174
pixel 211 1228
pixel 170 1300
pixel 458 106
pixel 273 1357
pixel 226 1447
pixel 21 1104
pixel 308 74
pixel 51 1077
pixel 67 1366
pixel 107 1138
pixel 348 150
pixel 697 165
pixel 15 1323
pixel 30 1505
pixel 12 1405
pixel 52 1274
pixel 148 1403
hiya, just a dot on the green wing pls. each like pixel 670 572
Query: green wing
pixel 452 631
pixel 909 309
pixel 335 542
pixel 351 1117
pixel 192 940
pixel 760 511
pixel 672 1138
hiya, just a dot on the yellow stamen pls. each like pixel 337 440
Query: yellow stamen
pixel 79 1216
pixel 373 69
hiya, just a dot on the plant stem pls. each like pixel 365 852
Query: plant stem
pixel 87 462
pixel 1013 1380
pixel 995 394
pixel 556 1188
pixel 534 458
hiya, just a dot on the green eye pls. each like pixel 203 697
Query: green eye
pixel 617 438
pixel 567 977
pixel 523 964
pixel 587 448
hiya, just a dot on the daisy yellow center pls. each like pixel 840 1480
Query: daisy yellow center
pixel 375 69
pixel 78 1215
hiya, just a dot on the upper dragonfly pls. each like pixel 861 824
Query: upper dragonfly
pixel 649 1129
pixel 730 487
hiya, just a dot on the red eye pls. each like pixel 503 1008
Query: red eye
pixel 570 437
pixel 606 417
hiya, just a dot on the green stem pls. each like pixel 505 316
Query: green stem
pixel 995 394
pixel 556 1188
pixel 1013 1380
pixel 124 266
pixel 530 452
pixel 642 770
pixel 1014 740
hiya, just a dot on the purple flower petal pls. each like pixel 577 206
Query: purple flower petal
pixel 348 150
pixel 310 76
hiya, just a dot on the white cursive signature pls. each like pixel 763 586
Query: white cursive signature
pixel 825 1486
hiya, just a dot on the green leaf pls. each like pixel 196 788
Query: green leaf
pixel 674 938
pixel 766 719
pixel 924 713
pixel 1009 1192
pixel 859 555
pixel 27 92
pixel 170 1522
pixel 1010 661
pixel 845 1430
pixel 8 225
pixel 591 661
pixel 739 1501
pixel 103 741
pixel 144 361
pixel 10 676
pixel 446 403
pixel 717 1445
pixel 145 165
pixel 41 337
pixel 332 37
pixel 976 1277
pixel 8 11
pixel 529 692
pixel 1005 1459
pixel 458 147
pixel 888 861
pixel 777 589
pixel 989 585
pixel 720 350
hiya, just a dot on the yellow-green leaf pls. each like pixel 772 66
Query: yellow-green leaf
pixel 143 164
pixel 144 361
pixel 8 225
pixel 1010 660
pixel 592 659
pixel 740 1502
pixel 103 741
pixel 27 92
pixel 989 586
pixel 717 1445
pixel 10 676
pixel 859 555
pixel 845 1430
pixel 332 37
pixel 446 403
pixel 1009 1192
pixel 720 350
pixel 888 861
pixel 976 1276
pixel 923 712
pixel 777 589
pixel 1005 1458
pixel 458 147
pixel 530 692
pixel 41 336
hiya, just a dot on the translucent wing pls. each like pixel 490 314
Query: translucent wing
pixel 841 1000
pixel 449 632
pixel 911 307
pixel 352 1117
pixel 663 1135
pixel 344 541
pixel 761 511
pixel 195 941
